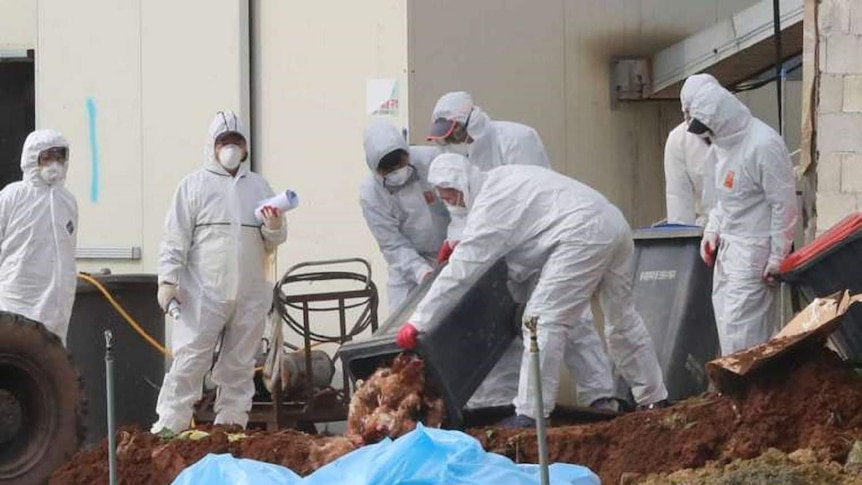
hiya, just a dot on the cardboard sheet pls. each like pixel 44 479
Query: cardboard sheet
pixel 815 323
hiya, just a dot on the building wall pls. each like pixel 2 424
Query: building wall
pixel 838 116
pixel 153 82
pixel 156 80
pixel 546 64
pixel 309 83
pixel 18 24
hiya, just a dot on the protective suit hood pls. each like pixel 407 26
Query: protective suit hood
pixel 381 139
pixel 35 143
pixel 691 87
pixel 224 122
pixel 454 106
pixel 451 170
pixel 458 106
pixel 719 110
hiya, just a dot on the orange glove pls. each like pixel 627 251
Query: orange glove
pixel 406 338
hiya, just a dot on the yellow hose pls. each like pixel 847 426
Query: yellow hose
pixel 123 313
pixel 128 318
pixel 135 325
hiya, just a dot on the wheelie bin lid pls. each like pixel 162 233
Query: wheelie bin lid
pixel 666 231
pixel 850 228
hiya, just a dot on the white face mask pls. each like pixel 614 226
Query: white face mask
pixel 459 148
pixel 397 178
pixel 456 210
pixel 230 156
pixel 52 172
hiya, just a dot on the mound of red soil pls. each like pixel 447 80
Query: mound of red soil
pixel 145 458
pixel 809 399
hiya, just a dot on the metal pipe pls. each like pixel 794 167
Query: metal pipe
pixel 109 395
pixel 536 373
pixel 783 89
pixel 779 65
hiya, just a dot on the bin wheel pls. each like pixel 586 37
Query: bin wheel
pixel 41 402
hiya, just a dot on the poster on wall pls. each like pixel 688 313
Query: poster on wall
pixel 381 97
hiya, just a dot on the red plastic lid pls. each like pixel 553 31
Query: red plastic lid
pixel 829 239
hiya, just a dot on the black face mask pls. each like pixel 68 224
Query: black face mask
pixel 695 127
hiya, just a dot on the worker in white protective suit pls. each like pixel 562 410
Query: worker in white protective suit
pixel 584 357
pixel 689 171
pixel 753 222
pixel 213 263
pixel 462 127
pixel 402 211
pixel 38 234
pixel 409 222
pixel 582 245
pixel 459 126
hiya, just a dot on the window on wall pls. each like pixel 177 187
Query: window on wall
pixel 17 111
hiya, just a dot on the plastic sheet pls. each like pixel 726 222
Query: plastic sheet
pixel 422 457
pixel 225 469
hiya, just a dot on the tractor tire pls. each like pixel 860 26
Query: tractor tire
pixel 41 402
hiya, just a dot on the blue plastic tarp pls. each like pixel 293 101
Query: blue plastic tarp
pixel 225 469
pixel 422 457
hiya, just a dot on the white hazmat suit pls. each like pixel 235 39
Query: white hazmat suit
pixel 754 217
pixel 689 177
pixel 494 143
pixel 216 251
pixel 689 166
pixel 584 357
pixel 582 245
pixel 408 221
pixel 38 234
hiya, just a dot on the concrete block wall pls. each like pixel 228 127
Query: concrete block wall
pixel 839 111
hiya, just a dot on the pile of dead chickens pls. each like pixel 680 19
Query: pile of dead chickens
pixel 392 401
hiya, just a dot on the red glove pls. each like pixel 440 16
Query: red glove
pixel 445 251
pixel 406 338
pixel 709 247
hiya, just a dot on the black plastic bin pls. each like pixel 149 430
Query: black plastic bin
pixel 138 367
pixel 831 263
pixel 673 294
pixel 460 347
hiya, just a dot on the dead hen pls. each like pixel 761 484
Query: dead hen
pixel 391 402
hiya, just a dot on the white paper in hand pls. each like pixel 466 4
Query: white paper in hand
pixel 285 201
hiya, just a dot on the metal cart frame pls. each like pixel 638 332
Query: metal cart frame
pixel 330 404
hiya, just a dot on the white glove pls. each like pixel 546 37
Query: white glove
pixel 271 218
pixel 709 247
pixel 425 272
pixel 167 292
pixel 771 271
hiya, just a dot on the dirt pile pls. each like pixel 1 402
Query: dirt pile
pixel 145 458
pixel 801 467
pixel 807 400
pixel 389 403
